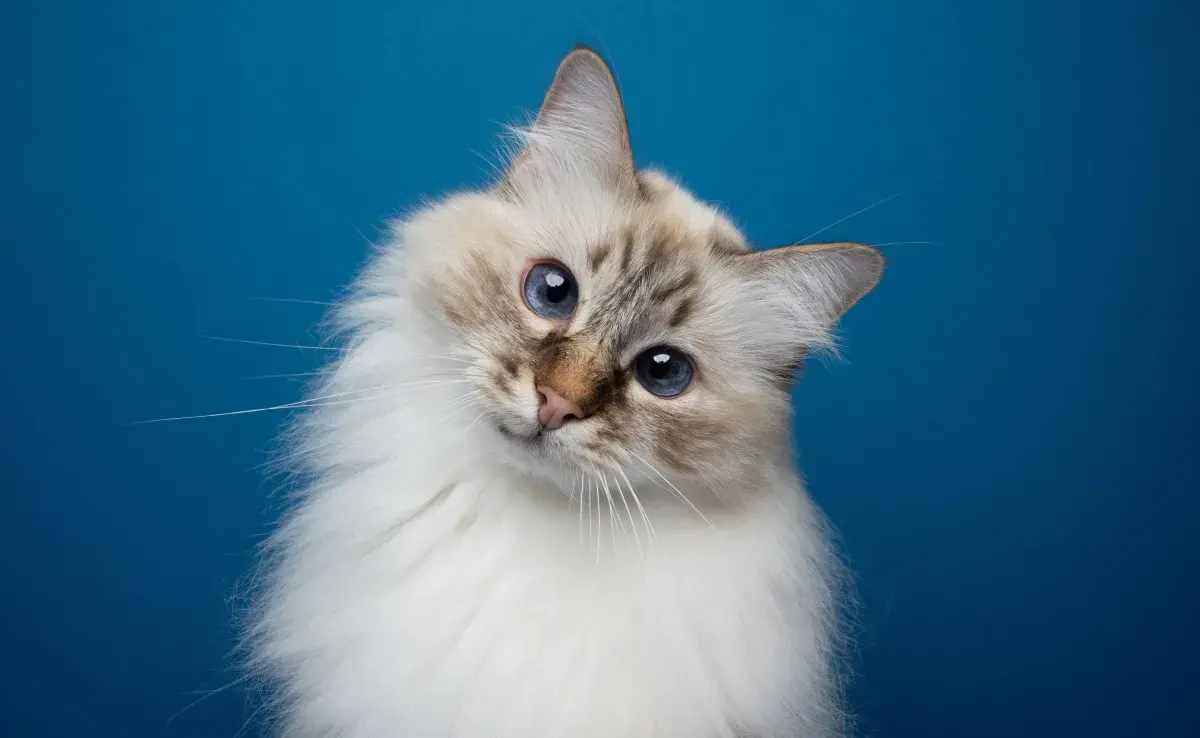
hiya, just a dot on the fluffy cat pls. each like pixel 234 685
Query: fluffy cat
pixel 548 483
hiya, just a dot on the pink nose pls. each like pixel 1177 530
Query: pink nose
pixel 556 410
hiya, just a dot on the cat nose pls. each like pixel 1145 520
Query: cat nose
pixel 556 410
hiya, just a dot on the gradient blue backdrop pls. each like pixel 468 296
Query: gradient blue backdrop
pixel 1010 452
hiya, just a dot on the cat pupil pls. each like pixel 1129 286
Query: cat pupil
pixel 661 368
pixel 556 287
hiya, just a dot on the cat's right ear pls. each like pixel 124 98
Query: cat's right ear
pixel 815 283
pixel 580 132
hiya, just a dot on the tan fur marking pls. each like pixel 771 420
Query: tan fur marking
pixel 682 311
pixel 572 380
pixel 626 249
pixel 685 282
pixel 597 255
pixel 576 371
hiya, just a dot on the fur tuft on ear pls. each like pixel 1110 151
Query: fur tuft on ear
pixel 580 131
pixel 817 282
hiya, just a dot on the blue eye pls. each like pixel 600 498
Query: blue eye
pixel 550 291
pixel 664 371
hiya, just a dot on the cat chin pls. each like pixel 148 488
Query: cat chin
pixel 535 452
pixel 541 455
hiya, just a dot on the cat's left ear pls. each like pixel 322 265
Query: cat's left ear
pixel 818 280
pixel 580 130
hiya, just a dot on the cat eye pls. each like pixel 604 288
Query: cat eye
pixel 663 371
pixel 550 290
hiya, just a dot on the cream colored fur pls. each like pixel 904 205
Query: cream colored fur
pixel 668 578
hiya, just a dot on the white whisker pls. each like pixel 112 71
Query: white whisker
pixel 629 512
pixel 309 402
pixel 596 492
pixel 294 301
pixel 612 515
pixel 911 243
pixel 293 375
pixel 681 495
pixel 589 508
pixel 612 510
pixel 476 420
pixel 464 406
pixel 275 345
pixel 645 518
pixel 579 482
pixel 460 400
pixel 851 215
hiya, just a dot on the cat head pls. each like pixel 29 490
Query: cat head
pixel 611 321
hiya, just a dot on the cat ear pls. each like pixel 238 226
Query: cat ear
pixel 580 129
pixel 818 281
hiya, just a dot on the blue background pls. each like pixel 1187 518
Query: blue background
pixel 1010 452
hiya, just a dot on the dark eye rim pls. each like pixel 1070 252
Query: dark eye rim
pixel 692 380
pixel 547 262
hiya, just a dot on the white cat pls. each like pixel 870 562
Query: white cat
pixel 549 489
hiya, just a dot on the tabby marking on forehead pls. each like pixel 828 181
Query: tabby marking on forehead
pixel 627 241
pixel 686 282
pixel 682 311
pixel 598 254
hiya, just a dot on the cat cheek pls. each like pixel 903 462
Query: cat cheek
pixel 510 365
pixel 501 383
pixel 687 441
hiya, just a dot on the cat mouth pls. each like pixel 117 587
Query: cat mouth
pixel 530 440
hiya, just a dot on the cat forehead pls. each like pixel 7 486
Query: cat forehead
pixel 644 277
pixel 649 271
pixel 583 216
pixel 648 267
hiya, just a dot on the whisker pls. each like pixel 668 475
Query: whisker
pixel 275 345
pixel 851 215
pixel 589 507
pixel 629 512
pixel 366 240
pixel 613 506
pixel 646 518
pixel 599 532
pixel 294 301
pixel 476 420
pixel 206 695
pixel 911 243
pixel 571 503
pixel 612 517
pixel 309 402
pixel 681 495
pixel 460 400
pixel 575 481
pixel 465 406
pixel 293 375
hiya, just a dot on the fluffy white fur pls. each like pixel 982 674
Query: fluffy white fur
pixel 436 581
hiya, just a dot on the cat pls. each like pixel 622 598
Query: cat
pixel 548 481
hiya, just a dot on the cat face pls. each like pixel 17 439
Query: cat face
pixel 611 321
